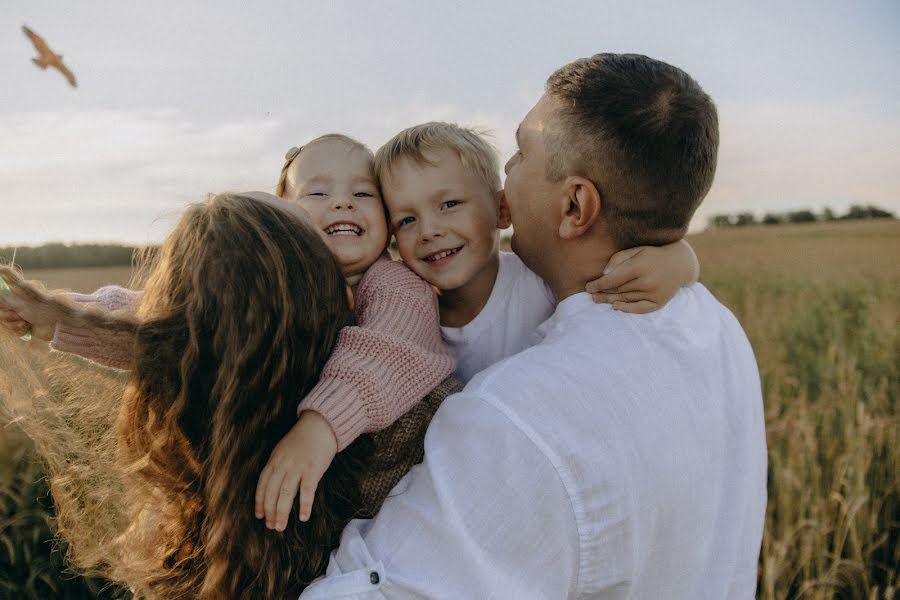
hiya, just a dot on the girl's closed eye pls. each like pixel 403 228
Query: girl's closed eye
pixel 364 195
pixel 316 194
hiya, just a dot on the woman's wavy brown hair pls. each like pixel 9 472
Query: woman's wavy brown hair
pixel 238 319
pixel 242 308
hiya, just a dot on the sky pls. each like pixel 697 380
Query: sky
pixel 177 100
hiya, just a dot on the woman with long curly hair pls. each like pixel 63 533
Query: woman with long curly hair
pixel 240 312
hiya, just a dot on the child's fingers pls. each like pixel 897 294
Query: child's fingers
pixel 24 305
pixel 17 329
pixel 620 298
pixel 286 494
pixel 13 322
pixel 623 256
pixel 639 284
pixel 608 297
pixel 259 498
pixel 30 300
pixel 640 307
pixel 307 495
pixel 10 302
pixel 613 279
pixel 20 289
pixel 20 328
pixel 9 316
pixel 273 488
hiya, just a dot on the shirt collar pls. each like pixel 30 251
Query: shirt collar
pixel 570 306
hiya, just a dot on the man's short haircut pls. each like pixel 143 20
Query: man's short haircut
pixel 644 132
pixel 413 143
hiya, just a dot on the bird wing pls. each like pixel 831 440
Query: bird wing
pixel 39 44
pixel 62 68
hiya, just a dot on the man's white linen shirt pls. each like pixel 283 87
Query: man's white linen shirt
pixel 623 456
pixel 519 302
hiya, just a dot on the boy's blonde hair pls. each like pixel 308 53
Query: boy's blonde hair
pixel 470 145
pixel 294 152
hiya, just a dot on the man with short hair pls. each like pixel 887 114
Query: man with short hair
pixel 622 456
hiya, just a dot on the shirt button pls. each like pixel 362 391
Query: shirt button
pixel 374 578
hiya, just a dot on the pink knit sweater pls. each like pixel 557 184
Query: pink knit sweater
pixel 378 370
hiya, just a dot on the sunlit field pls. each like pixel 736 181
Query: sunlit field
pixel 84 280
pixel 821 306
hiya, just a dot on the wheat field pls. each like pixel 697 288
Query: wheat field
pixel 821 306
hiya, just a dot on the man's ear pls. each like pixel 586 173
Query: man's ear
pixel 503 218
pixel 580 207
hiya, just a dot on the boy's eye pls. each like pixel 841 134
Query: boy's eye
pixel 364 195
pixel 450 203
pixel 316 194
pixel 405 221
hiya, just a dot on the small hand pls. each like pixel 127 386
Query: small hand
pixel 298 461
pixel 22 312
pixel 623 284
pixel 644 279
pixel 11 321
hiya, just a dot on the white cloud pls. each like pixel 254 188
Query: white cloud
pixel 784 156
pixel 117 175
pixel 109 175
pixel 500 127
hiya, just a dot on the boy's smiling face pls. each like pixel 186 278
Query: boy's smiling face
pixel 334 182
pixel 445 219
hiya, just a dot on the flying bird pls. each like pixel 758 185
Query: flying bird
pixel 47 57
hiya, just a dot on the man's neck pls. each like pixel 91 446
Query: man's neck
pixel 580 264
pixel 460 306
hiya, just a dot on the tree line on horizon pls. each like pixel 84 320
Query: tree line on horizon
pixel 57 255
pixel 799 216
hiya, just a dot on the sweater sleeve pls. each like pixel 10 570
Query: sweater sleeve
pixel 108 348
pixel 388 361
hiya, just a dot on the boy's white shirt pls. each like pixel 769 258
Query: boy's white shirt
pixel 519 302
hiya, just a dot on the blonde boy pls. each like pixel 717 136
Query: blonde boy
pixel 441 185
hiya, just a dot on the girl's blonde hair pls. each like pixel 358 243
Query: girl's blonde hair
pixel 294 152
pixel 241 310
